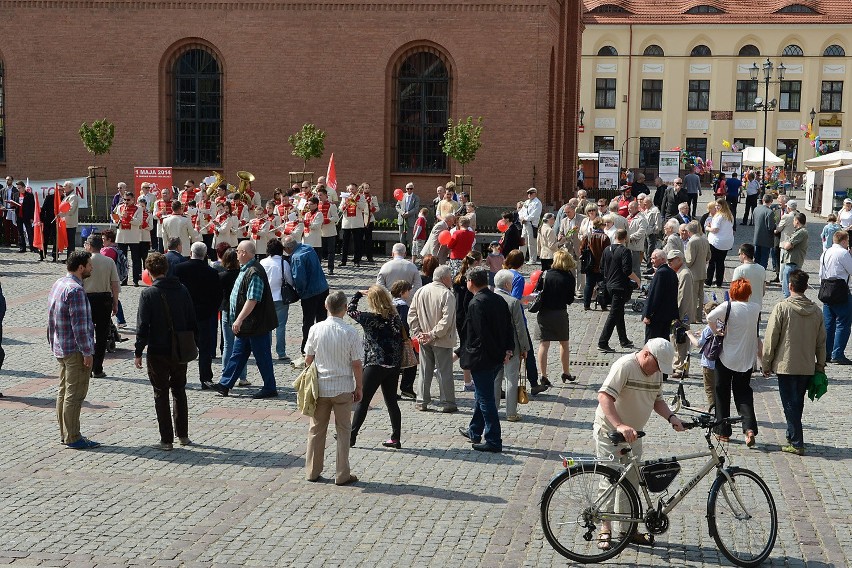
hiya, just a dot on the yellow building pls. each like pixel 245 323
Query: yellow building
pixel 658 75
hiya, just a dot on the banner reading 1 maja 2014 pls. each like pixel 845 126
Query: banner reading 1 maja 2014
pixel 42 187
pixel 159 177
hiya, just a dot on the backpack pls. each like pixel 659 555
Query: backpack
pixel 120 264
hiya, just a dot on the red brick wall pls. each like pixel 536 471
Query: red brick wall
pixel 284 64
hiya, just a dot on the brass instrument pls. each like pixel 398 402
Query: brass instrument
pixel 245 179
pixel 213 187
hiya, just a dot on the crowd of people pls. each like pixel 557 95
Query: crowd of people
pixel 224 268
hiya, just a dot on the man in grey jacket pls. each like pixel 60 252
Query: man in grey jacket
pixel 406 214
pixel 399 268
pixel 764 231
pixel 511 369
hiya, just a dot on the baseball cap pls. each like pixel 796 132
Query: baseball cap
pixel 847 200
pixel 663 352
pixel 674 253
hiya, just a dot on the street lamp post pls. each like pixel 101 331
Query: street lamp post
pixel 765 105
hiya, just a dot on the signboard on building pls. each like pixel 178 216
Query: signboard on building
pixel 159 177
pixel 731 163
pixel 669 164
pixel 721 115
pixel 609 168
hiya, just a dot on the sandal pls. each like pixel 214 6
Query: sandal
pixel 750 441
pixel 605 540
pixel 642 539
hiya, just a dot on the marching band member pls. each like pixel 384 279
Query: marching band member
pixel 274 219
pixel 369 218
pixel 329 226
pixel 284 206
pixel 188 194
pixel 146 192
pixel 260 231
pixel 313 223
pixel 144 233
pixel 221 193
pixel 253 199
pixel 128 217
pixel 225 224
pixel 294 226
pixel 162 209
pixel 354 209
pixel 206 209
pixel 178 225
pixel 242 212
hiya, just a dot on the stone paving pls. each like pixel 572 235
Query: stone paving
pixel 239 498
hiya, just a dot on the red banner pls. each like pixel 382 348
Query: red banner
pixel 158 177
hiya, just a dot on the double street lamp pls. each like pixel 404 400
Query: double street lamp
pixel 762 104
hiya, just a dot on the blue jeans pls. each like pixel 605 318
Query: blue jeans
pixel 228 347
pixel 792 389
pixel 282 310
pixel 119 314
pixel 837 328
pixel 261 347
pixel 485 422
pixel 785 278
pixel 206 343
pixel 761 255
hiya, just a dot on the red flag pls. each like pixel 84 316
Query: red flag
pixel 38 230
pixel 61 232
pixel 331 175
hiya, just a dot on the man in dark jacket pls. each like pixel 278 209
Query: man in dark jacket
pixel 153 326
pixel 253 313
pixel 617 270
pixel 673 197
pixel 203 284
pixel 511 237
pixel 764 230
pixel 26 212
pixel 487 347
pixel 661 306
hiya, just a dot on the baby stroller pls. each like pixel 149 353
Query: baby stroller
pixel 639 303
pixel 113 338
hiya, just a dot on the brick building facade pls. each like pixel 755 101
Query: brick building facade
pixel 202 86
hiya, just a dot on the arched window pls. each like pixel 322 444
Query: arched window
pixel 793 50
pixel 2 116
pixel 608 9
pixel 607 51
pixel 423 107
pixel 834 50
pixel 195 92
pixel 749 50
pixel 653 51
pixel 704 9
pixel 700 51
pixel 796 9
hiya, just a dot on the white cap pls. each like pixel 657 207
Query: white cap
pixel 674 253
pixel 847 200
pixel 663 352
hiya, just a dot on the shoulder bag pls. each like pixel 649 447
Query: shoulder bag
pixel 523 397
pixel 535 304
pixel 713 348
pixel 409 357
pixel 832 291
pixel 184 348
pixel 288 293
pixel 586 260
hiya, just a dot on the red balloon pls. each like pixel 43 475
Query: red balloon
pixel 444 237
pixel 536 274
pixel 64 207
pixel 146 278
pixel 502 225
pixel 398 194
pixel 415 344
pixel 528 288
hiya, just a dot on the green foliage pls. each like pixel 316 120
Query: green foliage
pixel 461 141
pixel 308 143
pixel 97 137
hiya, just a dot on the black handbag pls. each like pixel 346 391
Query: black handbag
pixel 535 304
pixel 184 348
pixel 288 293
pixel 713 348
pixel 832 291
pixel 586 260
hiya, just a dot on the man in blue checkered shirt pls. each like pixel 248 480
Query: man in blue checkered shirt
pixel 72 338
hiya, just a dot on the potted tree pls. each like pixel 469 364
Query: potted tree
pixel 97 139
pixel 308 143
pixel 461 142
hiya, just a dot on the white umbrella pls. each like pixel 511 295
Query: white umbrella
pixel 753 156
pixel 839 158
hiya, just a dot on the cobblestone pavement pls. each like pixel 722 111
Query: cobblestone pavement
pixel 239 497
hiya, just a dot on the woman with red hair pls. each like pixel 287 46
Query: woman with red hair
pixel 736 319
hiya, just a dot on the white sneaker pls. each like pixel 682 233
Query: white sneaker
pixel 299 363
pixel 243 383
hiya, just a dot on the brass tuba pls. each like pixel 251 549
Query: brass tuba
pixel 213 187
pixel 245 179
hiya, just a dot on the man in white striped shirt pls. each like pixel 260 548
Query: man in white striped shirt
pixel 335 347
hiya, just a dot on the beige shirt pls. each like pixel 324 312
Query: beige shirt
pixel 433 311
pixel 104 273
pixel 180 226
pixel 634 392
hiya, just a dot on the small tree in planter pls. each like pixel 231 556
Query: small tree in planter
pixel 308 143
pixel 461 142
pixel 97 138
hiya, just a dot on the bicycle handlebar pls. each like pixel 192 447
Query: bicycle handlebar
pixel 618 437
pixel 706 421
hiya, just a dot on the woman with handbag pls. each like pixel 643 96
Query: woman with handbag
pixel 595 241
pixel 556 293
pixel 463 297
pixel 736 321
pixel 165 311
pixel 382 358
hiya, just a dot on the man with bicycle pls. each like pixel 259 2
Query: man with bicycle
pixel 626 398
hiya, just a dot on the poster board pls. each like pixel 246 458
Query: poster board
pixel 159 177
pixel 42 187
pixel 730 163
pixel 669 164
pixel 609 169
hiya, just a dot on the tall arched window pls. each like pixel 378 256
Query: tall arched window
pixel 653 51
pixel 423 107
pixel 196 101
pixel 607 51
pixel 700 51
pixel 749 50
pixel 2 116
pixel 793 50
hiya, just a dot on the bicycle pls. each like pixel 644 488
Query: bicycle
pixel 741 514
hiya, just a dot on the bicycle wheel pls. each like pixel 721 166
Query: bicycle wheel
pixel 742 517
pixel 575 505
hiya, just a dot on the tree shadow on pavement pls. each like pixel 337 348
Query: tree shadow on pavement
pixel 426 492
pixel 205 455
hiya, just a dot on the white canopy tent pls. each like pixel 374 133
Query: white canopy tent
pixel 753 156
pixel 833 160
pixel 834 179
